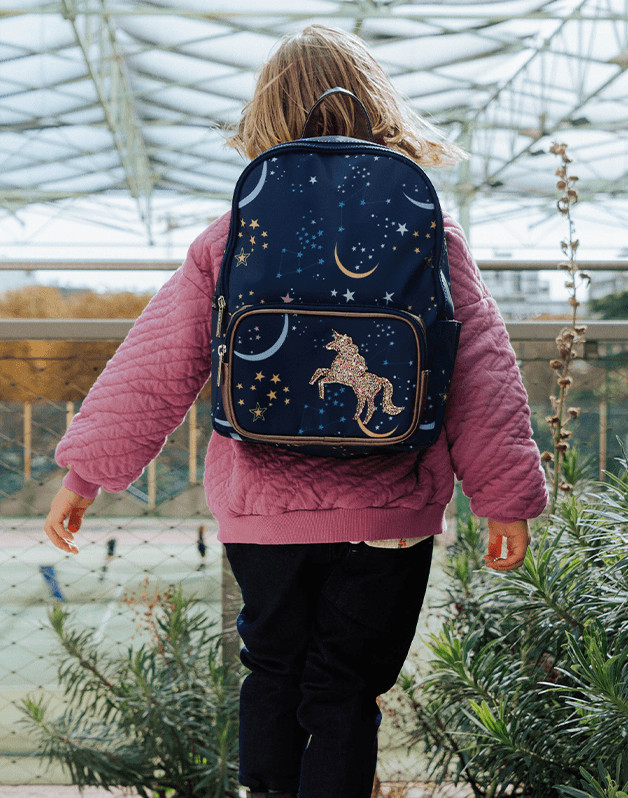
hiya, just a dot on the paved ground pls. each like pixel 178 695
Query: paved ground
pixel 58 791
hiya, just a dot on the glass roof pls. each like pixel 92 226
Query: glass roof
pixel 117 99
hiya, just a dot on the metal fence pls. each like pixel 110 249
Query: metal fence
pixel 159 531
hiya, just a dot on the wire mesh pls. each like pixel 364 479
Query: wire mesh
pixel 159 532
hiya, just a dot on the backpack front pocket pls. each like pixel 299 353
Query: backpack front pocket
pixel 295 375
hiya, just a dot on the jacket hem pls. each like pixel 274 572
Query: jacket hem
pixel 331 526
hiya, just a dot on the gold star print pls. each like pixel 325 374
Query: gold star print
pixel 394 248
pixel 417 249
pixel 241 257
pixel 286 390
pixel 271 395
pixel 242 223
pixel 239 296
pixel 264 246
pixel 254 224
pixel 415 234
pixel 264 234
pixel 253 387
pixel 427 235
pixel 433 225
pixel 239 385
pixel 258 412
pixel 252 239
pixel 286 401
pixel 259 376
pixel 240 235
pixel 240 401
pixel 275 378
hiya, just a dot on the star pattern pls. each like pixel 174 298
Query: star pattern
pixel 258 412
pixel 242 257
pixel 285 241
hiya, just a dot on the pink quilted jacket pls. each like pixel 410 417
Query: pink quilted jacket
pixel 262 494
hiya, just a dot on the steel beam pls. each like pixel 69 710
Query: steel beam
pixel 547 127
pixel 96 38
pixel 421 12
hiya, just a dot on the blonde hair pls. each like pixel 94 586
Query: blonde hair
pixel 307 64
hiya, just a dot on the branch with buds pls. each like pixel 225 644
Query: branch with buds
pixel 570 337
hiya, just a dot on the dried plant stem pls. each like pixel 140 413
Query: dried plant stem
pixel 568 337
pixel 563 385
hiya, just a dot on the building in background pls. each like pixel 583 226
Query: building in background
pixel 521 295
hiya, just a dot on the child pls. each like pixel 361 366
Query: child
pixel 332 559
pixel 111 553
pixel 201 547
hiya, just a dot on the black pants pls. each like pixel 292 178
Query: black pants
pixel 326 629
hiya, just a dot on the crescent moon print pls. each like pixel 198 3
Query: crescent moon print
pixel 234 435
pixel 274 348
pixel 374 434
pixel 346 271
pixel 429 206
pixel 260 185
pixel 222 421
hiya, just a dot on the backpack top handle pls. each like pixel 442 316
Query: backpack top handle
pixel 363 129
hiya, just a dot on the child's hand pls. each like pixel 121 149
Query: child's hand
pixel 517 540
pixel 66 504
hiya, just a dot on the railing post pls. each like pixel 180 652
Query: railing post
pixel 69 413
pixel 603 429
pixel 192 444
pixel 152 484
pixel 28 440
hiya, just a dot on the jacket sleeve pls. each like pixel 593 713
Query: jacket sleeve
pixel 487 421
pixel 147 387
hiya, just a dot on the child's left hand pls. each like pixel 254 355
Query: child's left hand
pixel 65 505
pixel 517 539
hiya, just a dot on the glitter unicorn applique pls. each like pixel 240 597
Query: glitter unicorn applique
pixel 349 368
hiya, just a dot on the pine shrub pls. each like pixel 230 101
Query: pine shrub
pixel 527 693
pixel 162 718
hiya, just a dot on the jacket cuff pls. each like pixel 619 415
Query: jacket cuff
pixel 85 489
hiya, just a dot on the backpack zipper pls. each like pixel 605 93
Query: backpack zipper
pixel 222 304
pixel 328 310
pixel 221 353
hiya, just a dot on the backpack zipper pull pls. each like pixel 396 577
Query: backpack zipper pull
pixel 221 353
pixel 222 304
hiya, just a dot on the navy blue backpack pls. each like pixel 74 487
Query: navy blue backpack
pixel 333 329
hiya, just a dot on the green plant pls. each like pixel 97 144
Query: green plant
pixel 607 787
pixel 528 686
pixel 161 718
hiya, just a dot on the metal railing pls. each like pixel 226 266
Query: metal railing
pixel 116 330
pixel 155 524
pixel 170 264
